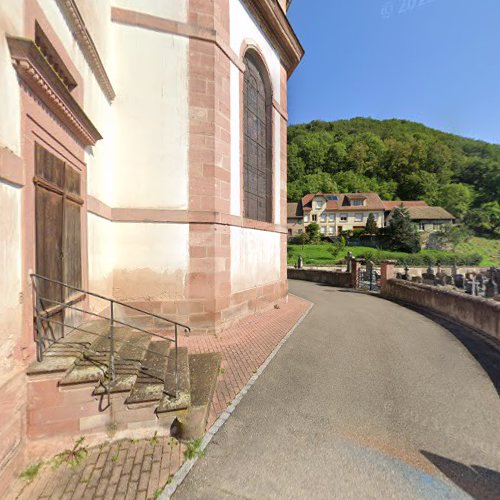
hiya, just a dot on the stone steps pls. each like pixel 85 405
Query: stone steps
pixel 179 399
pixel 150 380
pixel 73 378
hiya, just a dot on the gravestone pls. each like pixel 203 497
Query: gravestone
pixel 406 275
pixel 460 281
pixel 429 278
pixel 416 279
pixel 491 287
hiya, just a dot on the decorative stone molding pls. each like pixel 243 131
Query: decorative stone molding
pixel 38 75
pixel 80 32
pixel 277 28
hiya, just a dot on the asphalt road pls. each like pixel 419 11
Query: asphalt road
pixel 367 399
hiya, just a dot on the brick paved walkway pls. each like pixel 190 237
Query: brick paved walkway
pixel 140 469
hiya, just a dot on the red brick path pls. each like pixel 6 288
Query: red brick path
pixel 140 469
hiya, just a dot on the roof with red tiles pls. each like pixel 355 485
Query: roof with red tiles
pixel 343 201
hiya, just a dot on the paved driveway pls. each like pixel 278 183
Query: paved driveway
pixel 366 400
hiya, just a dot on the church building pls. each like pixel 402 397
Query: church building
pixel 142 158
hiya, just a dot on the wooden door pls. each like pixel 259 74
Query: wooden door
pixel 58 233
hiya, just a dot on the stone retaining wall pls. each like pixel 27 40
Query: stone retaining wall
pixel 340 279
pixel 475 312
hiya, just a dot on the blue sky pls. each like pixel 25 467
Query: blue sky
pixel 437 62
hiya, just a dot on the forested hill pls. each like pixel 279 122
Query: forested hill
pixel 399 159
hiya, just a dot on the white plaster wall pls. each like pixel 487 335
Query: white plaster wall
pixel 235 204
pixel 97 15
pixel 244 28
pixel 150 119
pixel 157 246
pixel 255 258
pixel 10 271
pixel 101 254
pixel 169 9
pixel 277 167
pixel 11 22
pixel 151 260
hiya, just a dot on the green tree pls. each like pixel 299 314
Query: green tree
pixel 337 247
pixel 402 233
pixel 485 219
pixel 371 225
pixel 452 235
pixel 456 198
pixel 313 231
pixel 302 239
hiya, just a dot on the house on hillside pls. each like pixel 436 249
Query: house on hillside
pixel 428 219
pixel 142 157
pixel 335 213
pixel 390 205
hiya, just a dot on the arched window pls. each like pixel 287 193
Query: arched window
pixel 257 148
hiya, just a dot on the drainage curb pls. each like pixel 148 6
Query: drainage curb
pixel 181 474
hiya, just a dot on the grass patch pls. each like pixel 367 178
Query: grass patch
pixel 478 251
pixel 193 449
pixel 73 456
pixel 31 471
pixel 489 249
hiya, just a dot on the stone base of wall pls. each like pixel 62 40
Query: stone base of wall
pixel 211 317
pixel 340 279
pixel 474 312
pixel 12 428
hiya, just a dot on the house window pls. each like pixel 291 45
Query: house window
pixel 331 230
pixel 323 230
pixel 375 216
pixel 258 174
pixel 357 203
pixel 331 217
pixel 319 204
pixel 323 217
pixel 306 218
pixel 421 226
pixel 314 218
pixel 343 217
pixel 358 217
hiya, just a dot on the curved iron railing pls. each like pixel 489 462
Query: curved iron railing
pixel 45 308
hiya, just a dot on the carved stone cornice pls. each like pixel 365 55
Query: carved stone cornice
pixel 277 28
pixel 44 82
pixel 80 32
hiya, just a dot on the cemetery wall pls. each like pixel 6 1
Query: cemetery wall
pixel 340 279
pixel 475 312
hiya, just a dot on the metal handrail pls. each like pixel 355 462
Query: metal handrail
pixel 42 315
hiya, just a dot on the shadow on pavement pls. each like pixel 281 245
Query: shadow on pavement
pixel 479 482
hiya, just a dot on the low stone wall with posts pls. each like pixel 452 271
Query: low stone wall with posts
pixel 475 312
pixel 332 278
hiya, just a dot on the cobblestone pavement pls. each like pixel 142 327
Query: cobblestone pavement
pixel 139 469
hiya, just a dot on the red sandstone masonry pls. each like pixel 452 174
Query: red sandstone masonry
pixel 140 468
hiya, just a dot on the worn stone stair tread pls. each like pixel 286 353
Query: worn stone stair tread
pixel 127 364
pixel 92 366
pixel 204 370
pixel 61 355
pixel 169 401
pixel 150 380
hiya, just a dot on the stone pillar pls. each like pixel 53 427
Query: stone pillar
pixel 387 271
pixel 355 265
